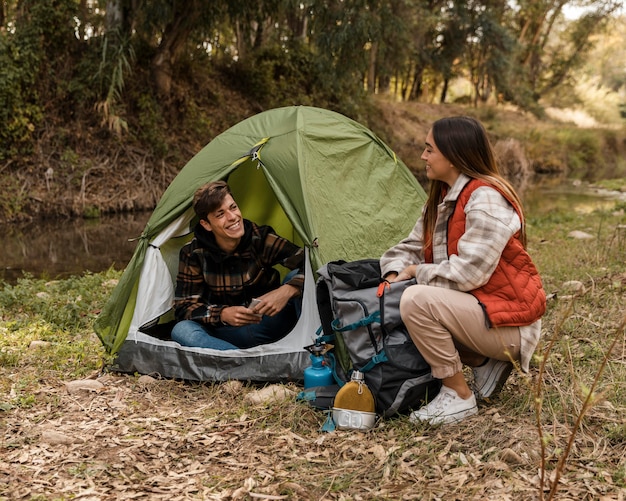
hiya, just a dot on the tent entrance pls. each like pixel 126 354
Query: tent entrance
pixel 257 203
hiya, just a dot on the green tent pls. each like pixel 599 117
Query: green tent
pixel 319 178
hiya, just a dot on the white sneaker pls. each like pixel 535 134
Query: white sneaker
pixel 490 377
pixel 446 407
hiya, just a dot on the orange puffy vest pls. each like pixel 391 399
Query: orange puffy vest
pixel 514 294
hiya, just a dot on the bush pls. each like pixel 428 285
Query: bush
pixel 583 152
pixel 20 112
pixel 275 77
pixel 33 59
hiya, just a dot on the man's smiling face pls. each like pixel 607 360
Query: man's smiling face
pixel 226 223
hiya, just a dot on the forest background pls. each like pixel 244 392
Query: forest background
pixel 103 101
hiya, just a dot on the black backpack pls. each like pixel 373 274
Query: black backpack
pixel 360 315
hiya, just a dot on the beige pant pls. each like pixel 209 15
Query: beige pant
pixel 449 329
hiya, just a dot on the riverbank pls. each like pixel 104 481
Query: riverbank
pixel 93 172
pixel 71 429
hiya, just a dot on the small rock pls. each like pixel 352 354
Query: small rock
pixel 272 393
pixel 510 456
pixel 55 438
pixel 84 385
pixel 146 381
pixel 232 387
pixel 38 344
pixel 580 235
pixel 575 287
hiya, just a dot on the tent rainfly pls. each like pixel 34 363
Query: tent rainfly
pixel 318 178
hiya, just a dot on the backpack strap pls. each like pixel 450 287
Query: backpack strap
pixel 370 319
pixel 379 358
pixel 323 338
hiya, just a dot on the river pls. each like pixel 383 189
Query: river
pixel 557 195
pixel 61 248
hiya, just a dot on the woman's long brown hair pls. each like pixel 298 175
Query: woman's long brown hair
pixel 464 142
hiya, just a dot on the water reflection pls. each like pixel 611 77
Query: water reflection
pixel 557 195
pixel 61 248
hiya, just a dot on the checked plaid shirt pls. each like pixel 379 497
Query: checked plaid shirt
pixel 490 223
pixel 210 279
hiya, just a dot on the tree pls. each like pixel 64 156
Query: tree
pixel 488 51
pixel 35 56
pixel 175 21
pixel 454 32
pixel 425 28
pixel 341 31
pixel 549 49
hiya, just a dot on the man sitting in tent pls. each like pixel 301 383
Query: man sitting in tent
pixel 228 294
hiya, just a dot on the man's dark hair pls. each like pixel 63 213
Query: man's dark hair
pixel 209 197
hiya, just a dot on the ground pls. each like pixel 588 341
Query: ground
pixel 121 437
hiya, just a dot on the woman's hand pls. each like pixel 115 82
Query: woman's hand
pixel 407 274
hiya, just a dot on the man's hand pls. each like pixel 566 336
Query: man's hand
pixel 238 316
pixel 274 301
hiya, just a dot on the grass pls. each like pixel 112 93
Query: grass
pixel 161 439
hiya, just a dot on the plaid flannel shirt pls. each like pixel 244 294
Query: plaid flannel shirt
pixel 209 279
pixel 490 222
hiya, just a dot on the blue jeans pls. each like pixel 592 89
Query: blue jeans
pixel 226 337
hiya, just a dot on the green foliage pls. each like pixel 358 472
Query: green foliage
pixel 318 53
pixel 276 77
pixel 59 316
pixel 273 76
pixel 582 148
pixel 563 148
pixel 150 124
pixel 116 64
pixel 19 111
pixel 561 258
pixel 615 184
pixel 91 212
pixel 33 61
pixel 64 305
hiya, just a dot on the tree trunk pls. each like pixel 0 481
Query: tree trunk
pixel 371 72
pixel 444 90
pixel 114 19
pixel 384 83
pixel 82 12
pixel 173 41
pixel 416 88
pixel 240 42
pixel 297 20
